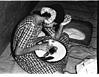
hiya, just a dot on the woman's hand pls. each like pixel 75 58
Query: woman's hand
pixel 66 21
pixel 45 47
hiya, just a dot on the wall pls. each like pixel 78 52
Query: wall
pixel 10 14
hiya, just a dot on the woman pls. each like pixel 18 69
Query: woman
pixel 26 35
pixel 28 30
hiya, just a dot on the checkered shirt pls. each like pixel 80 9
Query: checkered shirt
pixel 26 32
pixel 25 36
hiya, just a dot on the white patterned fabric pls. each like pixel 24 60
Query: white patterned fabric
pixel 51 11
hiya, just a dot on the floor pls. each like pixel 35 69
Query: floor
pixel 8 65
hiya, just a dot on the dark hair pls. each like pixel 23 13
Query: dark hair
pixel 60 12
pixel 46 14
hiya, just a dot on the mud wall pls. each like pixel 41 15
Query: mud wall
pixel 11 12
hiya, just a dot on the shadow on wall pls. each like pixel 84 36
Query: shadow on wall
pixel 10 14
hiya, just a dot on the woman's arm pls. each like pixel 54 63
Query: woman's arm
pixel 58 33
pixel 66 21
pixel 27 31
pixel 44 47
pixel 23 39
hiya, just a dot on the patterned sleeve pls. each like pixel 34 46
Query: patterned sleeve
pixel 24 32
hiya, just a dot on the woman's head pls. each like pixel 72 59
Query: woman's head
pixel 56 11
pixel 51 13
pixel 44 16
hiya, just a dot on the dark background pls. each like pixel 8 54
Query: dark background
pixel 10 14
